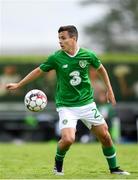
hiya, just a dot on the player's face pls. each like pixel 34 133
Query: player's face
pixel 66 42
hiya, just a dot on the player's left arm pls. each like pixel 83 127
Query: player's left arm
pixel 110 94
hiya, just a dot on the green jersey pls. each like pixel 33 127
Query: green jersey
pixel 73 84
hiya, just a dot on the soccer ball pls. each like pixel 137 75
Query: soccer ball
pixel 35 100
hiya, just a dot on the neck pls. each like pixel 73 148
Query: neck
pixel 72 50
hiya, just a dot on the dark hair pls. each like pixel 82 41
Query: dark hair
pixel 72 30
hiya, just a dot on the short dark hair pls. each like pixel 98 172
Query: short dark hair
pixel 72 30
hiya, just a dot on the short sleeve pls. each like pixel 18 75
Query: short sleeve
pixel 94 60
pixel 49 64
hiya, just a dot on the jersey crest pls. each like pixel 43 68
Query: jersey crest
pixel 83 63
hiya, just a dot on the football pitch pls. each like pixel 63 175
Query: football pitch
pixel 83 161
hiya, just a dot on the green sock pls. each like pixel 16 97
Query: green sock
pixel 110 154
pixel 60 154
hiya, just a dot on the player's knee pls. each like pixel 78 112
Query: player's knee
pixel 68 140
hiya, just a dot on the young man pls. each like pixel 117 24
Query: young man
pixel 74 96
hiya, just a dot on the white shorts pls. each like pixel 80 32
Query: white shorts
pixel 88 114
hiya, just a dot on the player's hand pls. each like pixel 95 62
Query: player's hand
pixel 110 97
pixel 12 86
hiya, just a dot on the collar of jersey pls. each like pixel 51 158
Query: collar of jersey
pixel 74 54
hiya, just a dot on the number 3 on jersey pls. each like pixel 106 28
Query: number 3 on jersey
pixel 76 79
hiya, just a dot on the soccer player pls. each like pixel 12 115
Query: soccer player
pixel 74 96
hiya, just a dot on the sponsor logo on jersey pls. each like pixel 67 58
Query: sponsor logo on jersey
pixel 65 66
pixel 83 63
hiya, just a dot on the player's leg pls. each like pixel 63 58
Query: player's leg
pixel 67 139
pixel 93 119
pixel 67 126
pixel 101 132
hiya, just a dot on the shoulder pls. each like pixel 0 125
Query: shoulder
pixel 53 56
pixel 92 57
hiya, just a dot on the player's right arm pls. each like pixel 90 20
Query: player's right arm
pixel 30 77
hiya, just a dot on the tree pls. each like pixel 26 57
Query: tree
pixel 117 31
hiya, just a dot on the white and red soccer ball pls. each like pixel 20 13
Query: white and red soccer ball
pixel 35 100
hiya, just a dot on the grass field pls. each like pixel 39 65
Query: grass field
pixel 83 161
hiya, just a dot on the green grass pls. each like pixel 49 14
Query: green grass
pixel 83 161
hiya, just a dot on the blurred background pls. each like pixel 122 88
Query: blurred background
pixel 28 34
